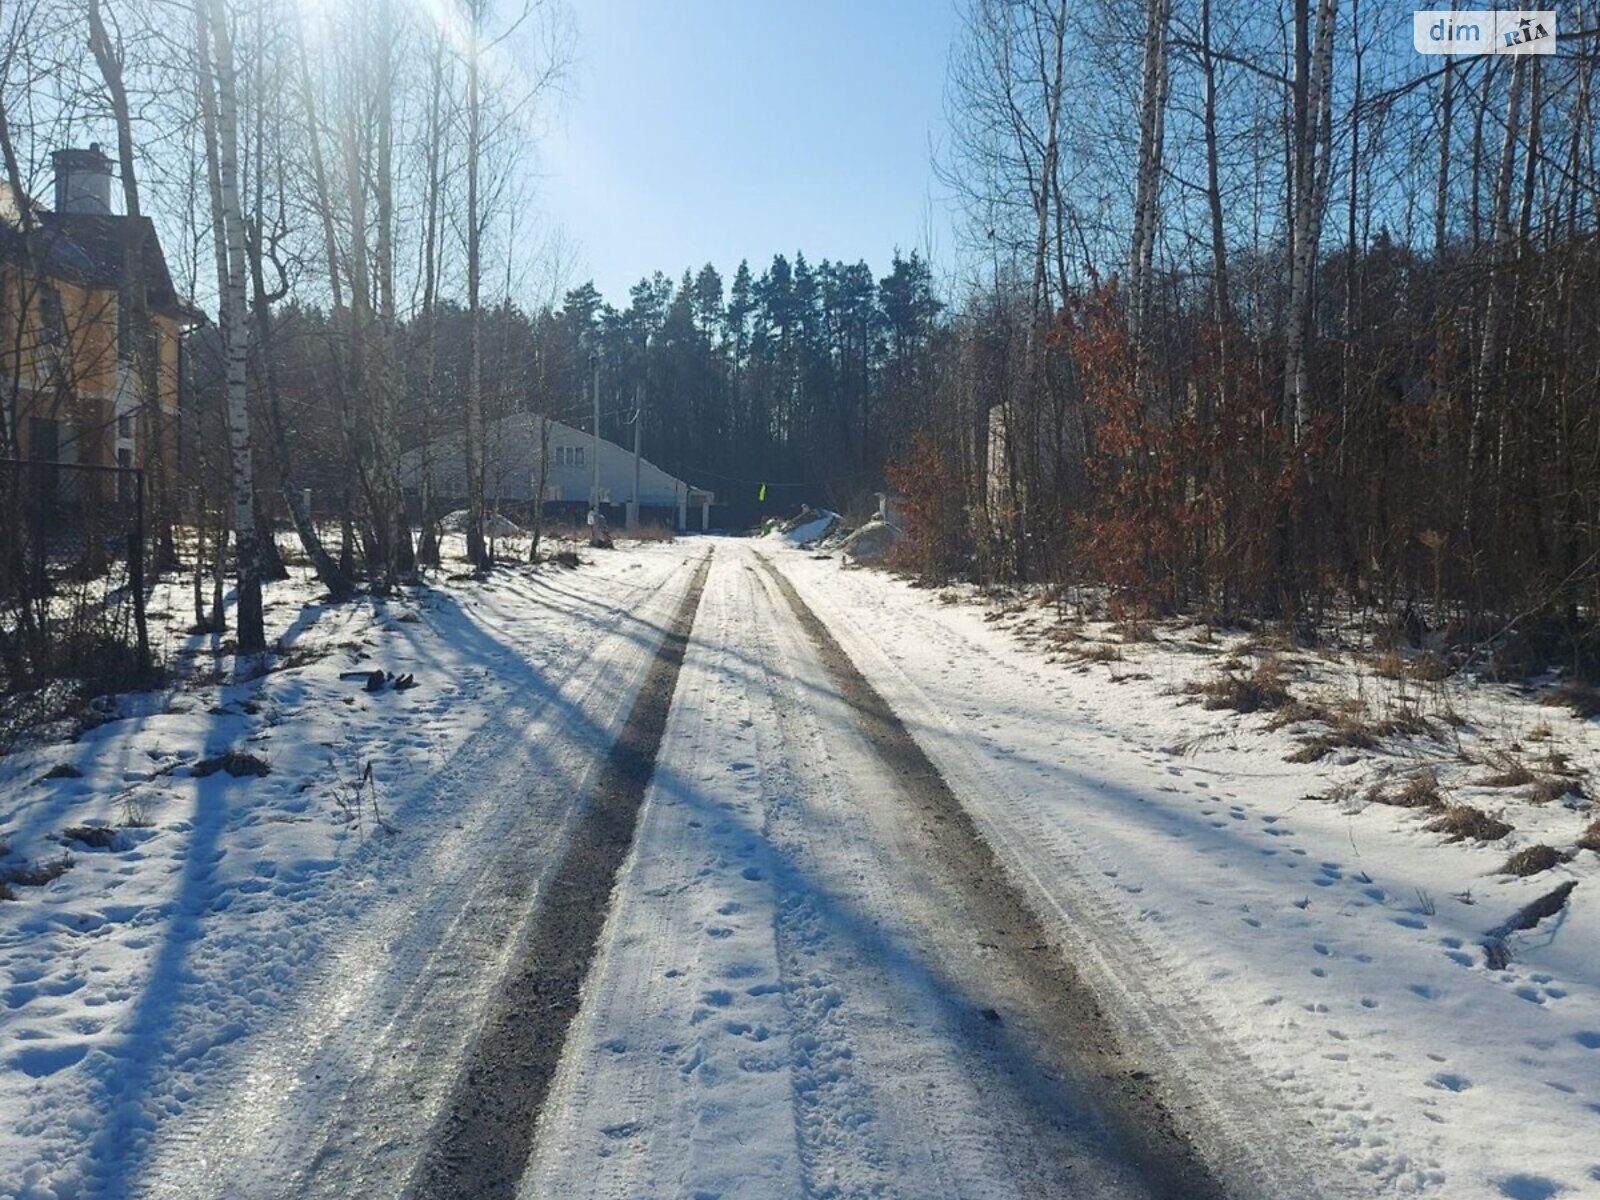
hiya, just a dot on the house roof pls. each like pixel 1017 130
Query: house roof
pixel 86 248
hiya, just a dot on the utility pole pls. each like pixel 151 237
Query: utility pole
pixel 638 428
pixel 594 490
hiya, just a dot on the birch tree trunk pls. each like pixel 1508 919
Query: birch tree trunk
pixel 343 393
pixel 1312 100
pixel 477 553
pixel 401 556
pixel 220 113
pixel 1500 247
pixel 1152 113
pixel 428 546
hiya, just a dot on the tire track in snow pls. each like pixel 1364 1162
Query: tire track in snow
pixel 1063 1039
pixel 337 1092
pixel 1189 1063
pixel 481 1143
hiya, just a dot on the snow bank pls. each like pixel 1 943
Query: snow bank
pixel 494 524
pixel 871 543
pixel 806 529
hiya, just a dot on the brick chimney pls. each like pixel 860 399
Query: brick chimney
pixel 83 180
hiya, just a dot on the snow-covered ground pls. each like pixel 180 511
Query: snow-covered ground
pixel 263 973
pixel 266 986
pixel 1260 923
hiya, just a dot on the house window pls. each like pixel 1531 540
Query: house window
pixel 44 439
pixel 125 425
pixel 44 448
pixel 569 456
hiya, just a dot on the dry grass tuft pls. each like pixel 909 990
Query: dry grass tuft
pixel 1507 771
pixel 1100 652
pixel 1531 860
pixel 1355 730
pixel 1134 631
pixel 1426 667
pixel 37 874
pixel 234 762
pixel 96 837
pixel 1551 788
pixel 1461 822
pixel 1265 688
pixel 1589 839
pixel 1420 791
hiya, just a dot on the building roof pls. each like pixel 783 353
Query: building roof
pixel 512 450
pixel 86 249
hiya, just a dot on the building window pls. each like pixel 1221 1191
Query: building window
pixel 569 456
pixel 125 425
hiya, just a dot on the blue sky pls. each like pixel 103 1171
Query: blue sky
pixel 714 130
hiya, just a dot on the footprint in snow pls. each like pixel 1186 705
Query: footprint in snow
pixel 1446 1082
pixel 1529 1187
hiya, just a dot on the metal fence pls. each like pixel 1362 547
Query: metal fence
pixel 72 574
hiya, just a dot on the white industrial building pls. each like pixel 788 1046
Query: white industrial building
pixel 513 471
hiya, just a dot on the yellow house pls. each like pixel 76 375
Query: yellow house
pixel 70 369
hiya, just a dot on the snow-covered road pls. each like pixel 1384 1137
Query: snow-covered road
pixel 808 985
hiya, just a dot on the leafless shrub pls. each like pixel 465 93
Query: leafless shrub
pixel 134 815
pixel 354 796
pixel 1461 822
